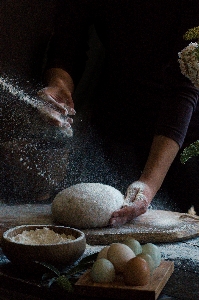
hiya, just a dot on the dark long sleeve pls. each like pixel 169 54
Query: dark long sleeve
pixel 181 97
pixel 142 40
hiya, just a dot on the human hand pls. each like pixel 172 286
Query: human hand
pixel 138 197
pixel 57 105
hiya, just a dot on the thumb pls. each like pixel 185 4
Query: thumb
pixel 131 194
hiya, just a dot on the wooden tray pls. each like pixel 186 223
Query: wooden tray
pixel 118 290
pixel 154 226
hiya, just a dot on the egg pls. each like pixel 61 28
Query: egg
pixel 119 254
pixel 154 251
pixel 149 260
pixel 102 271
pixel 134 245
pixel 103 252
pixel 136 272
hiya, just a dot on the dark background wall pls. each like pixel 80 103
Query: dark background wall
pixel 25 29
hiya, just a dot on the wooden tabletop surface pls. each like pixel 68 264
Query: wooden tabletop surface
pixel 183 284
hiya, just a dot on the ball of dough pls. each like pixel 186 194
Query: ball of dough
pixel 86 205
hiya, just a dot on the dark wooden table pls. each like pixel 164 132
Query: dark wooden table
pixel 183 283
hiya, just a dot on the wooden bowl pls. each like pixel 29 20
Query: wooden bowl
pixel 64 253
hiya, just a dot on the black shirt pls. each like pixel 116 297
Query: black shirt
pixel 141 40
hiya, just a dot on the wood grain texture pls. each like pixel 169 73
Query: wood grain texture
pixel 156 226
pixel 118 289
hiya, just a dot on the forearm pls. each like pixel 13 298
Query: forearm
pixel 56 77
pixel 140 193
pixel 162 153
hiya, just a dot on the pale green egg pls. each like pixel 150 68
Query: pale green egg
pixel 102 271
pixel 154 251
pixel 134 245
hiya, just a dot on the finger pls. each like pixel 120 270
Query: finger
pixel 50 117
pixel 131 194
pixel 66 128
pixel 50 100
pixel 61 96
pixel 53 117
pixel 141 203
pixel 115 214
pixel 122 216
pixel 117 221
pixel 69 120
pixel 70 110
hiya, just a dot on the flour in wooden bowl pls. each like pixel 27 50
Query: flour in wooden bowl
pixel 44 236
pixel 56 245
pixel 86 205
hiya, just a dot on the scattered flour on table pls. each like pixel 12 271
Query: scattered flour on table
pixel 42 236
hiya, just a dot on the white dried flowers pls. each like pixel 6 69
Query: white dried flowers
pixel 189 65
pixel 189 57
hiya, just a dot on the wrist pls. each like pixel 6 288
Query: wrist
pixel 56 77
pixel 153 184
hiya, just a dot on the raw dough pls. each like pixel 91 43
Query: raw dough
pixel 86 205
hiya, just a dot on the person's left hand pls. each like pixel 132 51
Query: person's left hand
pixel 57 105
pixel 139 195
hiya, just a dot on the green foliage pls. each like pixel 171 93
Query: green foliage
pixel 192 34
pixel 64 283
pixel 65 278
pixel 49 267
pixel 190 151
pixel 197 53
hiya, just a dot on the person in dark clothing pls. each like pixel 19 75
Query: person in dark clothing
pixel 142 99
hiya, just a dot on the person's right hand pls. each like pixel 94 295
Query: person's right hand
pixel 57 105
pixel 138 197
